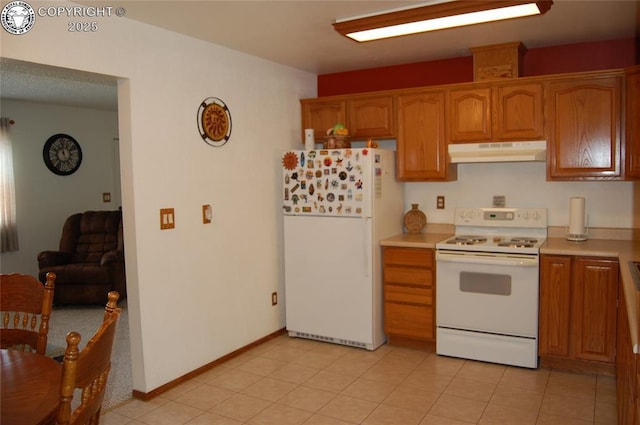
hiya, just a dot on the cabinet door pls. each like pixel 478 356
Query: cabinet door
pixel 518 112
pixel 321 114
pixel 371 116
pixel 408 320
pixel 408 293
pixel 633 123
pixel 555 306
pixel 595 298
pixel 470 115
pixel 421 142
pixel 584 129
pixel 626 372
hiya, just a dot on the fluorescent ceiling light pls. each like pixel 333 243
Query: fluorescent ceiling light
pixel 435 17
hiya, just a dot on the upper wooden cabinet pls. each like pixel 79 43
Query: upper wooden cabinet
pixel 421 143
pixel 518 112
pixel 590 121
pixel 632 115
pixel 371 116
pixel 322 114
pixel 470 114
pixel 584 127
pixel 496 112
pixel 365 116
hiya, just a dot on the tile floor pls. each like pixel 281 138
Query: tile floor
pixel 288 381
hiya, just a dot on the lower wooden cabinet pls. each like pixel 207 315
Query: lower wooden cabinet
pixel 409 296
pixel 627 372
pixel 578 312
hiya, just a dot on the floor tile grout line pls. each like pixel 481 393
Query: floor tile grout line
pixel 414 366
pixel 546 385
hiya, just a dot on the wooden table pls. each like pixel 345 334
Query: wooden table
pixel 29 388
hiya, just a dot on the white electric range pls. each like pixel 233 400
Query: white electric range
pixel 487 285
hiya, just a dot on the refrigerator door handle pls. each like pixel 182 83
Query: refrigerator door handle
pixel 366 222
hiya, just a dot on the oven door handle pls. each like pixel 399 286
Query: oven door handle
pixel 489 259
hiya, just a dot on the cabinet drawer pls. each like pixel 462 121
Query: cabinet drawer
pixel 409 321
pixel 408 275
pixel 404 294
pixel 408 256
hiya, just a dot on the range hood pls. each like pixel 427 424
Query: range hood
pixel 498 152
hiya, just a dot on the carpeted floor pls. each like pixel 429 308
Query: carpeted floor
pixel 86 320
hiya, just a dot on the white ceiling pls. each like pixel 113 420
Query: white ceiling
pixel 298 33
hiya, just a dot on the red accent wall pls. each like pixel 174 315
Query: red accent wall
pixel 580 57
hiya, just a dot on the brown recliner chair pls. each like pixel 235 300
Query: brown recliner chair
pixel 90 260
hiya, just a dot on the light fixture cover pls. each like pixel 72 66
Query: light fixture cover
pixel 431 17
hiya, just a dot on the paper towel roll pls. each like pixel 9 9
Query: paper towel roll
pixel 309 141
pixel 576 217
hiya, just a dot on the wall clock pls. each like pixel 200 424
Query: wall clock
pixel 214 121
pixel 62 154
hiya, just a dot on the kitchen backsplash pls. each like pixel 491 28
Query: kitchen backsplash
pixel 524 185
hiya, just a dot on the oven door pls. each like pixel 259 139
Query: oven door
pixel 492 293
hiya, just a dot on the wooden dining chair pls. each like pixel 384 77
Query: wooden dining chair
pixel 25 305
pixel 88 370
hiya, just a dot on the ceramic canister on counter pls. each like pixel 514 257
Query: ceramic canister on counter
pixel 415 220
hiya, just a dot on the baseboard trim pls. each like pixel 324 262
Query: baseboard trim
pixel 169 385
pixel 580 366
pixel 419 344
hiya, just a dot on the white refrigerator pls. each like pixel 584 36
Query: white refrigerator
pixel 338 204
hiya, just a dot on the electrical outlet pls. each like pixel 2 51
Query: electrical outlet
pixel 440 202
pixel 274 298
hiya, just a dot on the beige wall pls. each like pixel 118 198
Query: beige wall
pixel 608 204
pixel 196 292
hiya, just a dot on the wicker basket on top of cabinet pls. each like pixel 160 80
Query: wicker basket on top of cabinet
pixel 409 296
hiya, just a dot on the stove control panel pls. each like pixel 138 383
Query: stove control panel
pixel 501 217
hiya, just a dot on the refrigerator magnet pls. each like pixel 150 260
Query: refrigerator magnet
pixel 290 160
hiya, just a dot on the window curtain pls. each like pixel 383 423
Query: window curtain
pixel 8 225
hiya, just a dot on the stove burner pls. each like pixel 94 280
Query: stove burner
pixel 519 242
pixel 516 244
pixel 524 240
pixel 467 240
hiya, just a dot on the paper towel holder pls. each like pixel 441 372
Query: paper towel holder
pixel 578 229
pixel 578 237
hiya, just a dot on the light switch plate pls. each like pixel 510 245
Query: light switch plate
pixel 207 214
pixel 167 219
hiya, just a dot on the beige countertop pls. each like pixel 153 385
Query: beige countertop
pixel 624 250
pixel 432 234
pixel 415 240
